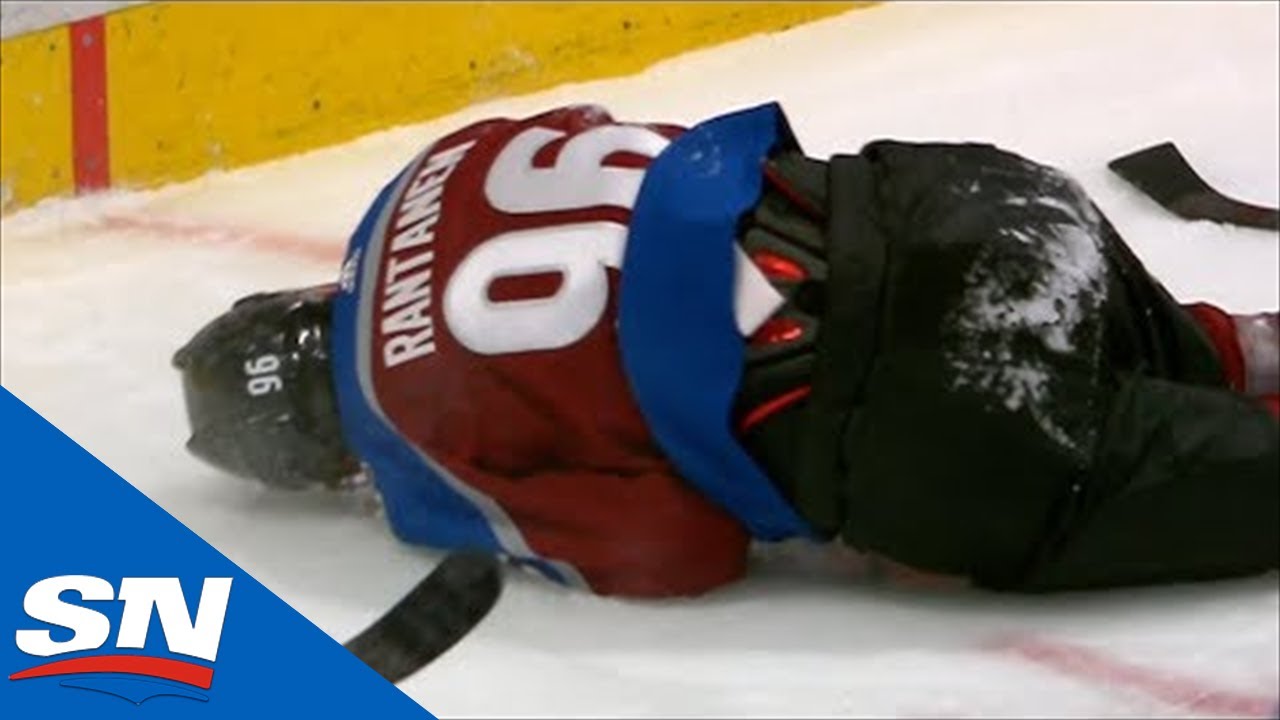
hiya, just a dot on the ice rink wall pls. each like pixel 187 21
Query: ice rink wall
pixel 158 92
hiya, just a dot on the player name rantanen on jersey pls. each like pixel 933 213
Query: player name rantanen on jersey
pixel 407 329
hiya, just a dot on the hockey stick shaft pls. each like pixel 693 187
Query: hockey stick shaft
pixel 438 612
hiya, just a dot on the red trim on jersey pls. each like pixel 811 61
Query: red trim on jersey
pixel 1221 329
pixel 778 268
pixel 769 408
pixel 778 330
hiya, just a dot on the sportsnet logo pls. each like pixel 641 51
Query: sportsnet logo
pixel 134 676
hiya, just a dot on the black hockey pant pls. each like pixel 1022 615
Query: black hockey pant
pixel 990 399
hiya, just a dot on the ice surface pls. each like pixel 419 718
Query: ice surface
pixel 98 292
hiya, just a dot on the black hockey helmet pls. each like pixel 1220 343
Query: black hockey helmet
pixel 259 391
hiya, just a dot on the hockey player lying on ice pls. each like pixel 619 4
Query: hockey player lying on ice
pixel 617 353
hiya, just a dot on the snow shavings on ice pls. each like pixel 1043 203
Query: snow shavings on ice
pixel 1030 300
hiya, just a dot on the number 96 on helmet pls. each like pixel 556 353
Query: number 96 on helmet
pixel 259 392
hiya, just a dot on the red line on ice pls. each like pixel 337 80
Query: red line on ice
pixel 1180 691
pixel 324 250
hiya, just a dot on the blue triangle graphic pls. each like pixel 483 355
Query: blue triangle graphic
pixel 65 513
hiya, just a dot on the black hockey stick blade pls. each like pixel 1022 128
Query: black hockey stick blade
pixel 432 617
pixel 1164 174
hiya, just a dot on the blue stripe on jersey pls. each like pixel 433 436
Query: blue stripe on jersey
pixel 680 344
pixel 421 506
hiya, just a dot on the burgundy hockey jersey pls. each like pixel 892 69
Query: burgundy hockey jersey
pixel 537 338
